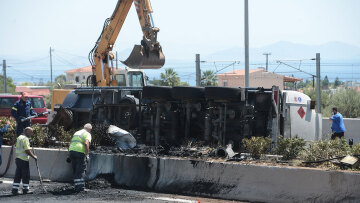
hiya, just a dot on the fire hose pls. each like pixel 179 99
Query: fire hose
pixel 35 116
pixel 9 161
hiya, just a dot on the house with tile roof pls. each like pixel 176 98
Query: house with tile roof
pixel 34 90
pixel 258 78
pixel 80 75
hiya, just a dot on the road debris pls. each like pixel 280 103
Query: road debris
pixel 123 139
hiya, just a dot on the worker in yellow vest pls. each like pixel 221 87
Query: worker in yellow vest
pixel 79 155
pixel 23 152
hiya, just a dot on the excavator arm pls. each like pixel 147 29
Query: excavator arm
pixel 148 55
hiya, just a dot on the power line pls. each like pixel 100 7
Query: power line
pixel 63 60
pixel 35 60
pixel 32 76
pixel 70 54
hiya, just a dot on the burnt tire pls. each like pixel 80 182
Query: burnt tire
pixel 127 111
pixel 156 92
pixel 188 93
pixel 223 93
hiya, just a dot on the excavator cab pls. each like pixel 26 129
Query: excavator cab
pixel 130 78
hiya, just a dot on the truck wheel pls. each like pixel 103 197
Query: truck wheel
pixel 223 93
pixel 192 93
pixel 130 111
pixel 156 92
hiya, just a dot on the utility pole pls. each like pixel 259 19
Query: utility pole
pixel 318 120
pixel 318 90
pixel 51 67
pixel 4 69
pixel 267 59
pixel 198 70
pixel 246 44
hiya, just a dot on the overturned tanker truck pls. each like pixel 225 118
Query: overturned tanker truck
pixel 213 115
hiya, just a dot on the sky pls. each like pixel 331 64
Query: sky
pixel 29 28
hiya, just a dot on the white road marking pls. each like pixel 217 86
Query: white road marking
pixel 174 200
pixel 7 182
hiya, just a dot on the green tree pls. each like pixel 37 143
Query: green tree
pixel 59 83
pixel 27 84
pixel 155 81
pixel 60 78
pixel 170 78
pixel 10 86
pixel 182 83
pixel 337 82
pixel 302 84
pixel 325 97
pixel 208 78
pixel 325 82
pixel 347 102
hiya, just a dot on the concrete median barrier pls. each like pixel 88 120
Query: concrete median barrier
pixel 234 181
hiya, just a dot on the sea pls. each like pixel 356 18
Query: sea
pixel 345 70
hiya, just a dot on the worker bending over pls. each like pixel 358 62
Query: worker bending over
pixel 79 155
pixel 22 109
pixel 23 152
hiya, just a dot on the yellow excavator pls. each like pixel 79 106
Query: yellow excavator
pixel 148 55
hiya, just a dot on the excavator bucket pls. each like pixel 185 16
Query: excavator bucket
pixel 140 60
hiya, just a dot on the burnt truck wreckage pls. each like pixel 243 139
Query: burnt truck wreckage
pixel 169 115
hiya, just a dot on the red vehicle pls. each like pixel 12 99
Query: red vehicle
pixel 37 102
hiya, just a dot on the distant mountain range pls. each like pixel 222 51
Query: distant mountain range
pixel 287 50
pixel 279 51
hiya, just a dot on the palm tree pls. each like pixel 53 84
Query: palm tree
pixel 209 78
pixel 170 78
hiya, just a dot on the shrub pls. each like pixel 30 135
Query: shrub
pixel 290 148
pixel 355 150
pixel 60 134
pixel 10 136
pixel 40 136
pixel 321 150
pixel 256 146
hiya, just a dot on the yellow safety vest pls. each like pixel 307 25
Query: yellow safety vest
pixel 78 141
pixel 22 144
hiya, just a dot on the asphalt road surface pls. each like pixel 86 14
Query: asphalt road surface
pixel 100 190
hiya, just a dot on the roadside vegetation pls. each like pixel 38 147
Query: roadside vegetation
pixel 295 151
pixel 41 137
pixel 290 151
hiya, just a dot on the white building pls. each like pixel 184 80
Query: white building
pixel 78 75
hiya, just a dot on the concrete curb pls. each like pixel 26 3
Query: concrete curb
pixel 233 181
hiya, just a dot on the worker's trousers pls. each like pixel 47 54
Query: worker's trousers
pixel 20 126
pixel 78 165
pixel 22 173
